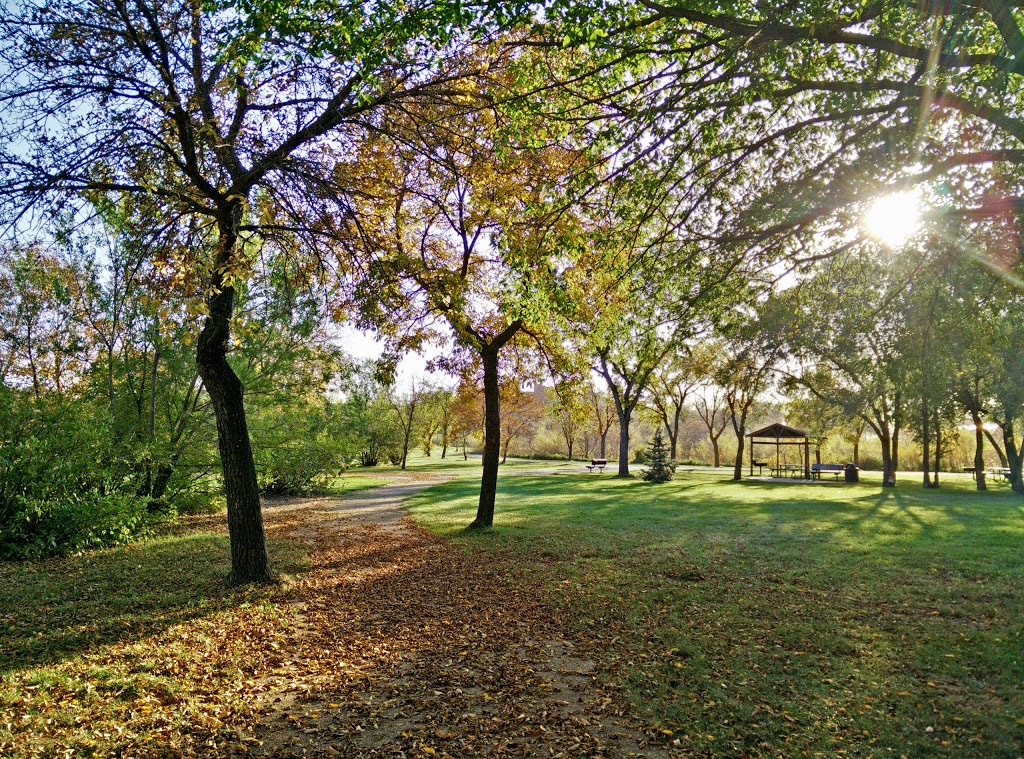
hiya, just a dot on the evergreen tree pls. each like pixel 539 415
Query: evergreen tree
pixel 660 468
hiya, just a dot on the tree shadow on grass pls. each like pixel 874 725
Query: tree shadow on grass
pixel 56 609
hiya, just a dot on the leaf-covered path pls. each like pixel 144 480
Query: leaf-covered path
pixel 409 646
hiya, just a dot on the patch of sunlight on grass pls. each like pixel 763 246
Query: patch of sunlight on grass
pixel 781 618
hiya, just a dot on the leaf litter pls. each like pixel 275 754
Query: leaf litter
pixel 411 647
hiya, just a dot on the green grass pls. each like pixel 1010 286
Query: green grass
pixel 770 619
pixel 455 465
pixel 350 482
pixel 139 648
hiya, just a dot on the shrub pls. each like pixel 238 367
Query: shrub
pixel 73 522
pixel 62 487
pixel 300 468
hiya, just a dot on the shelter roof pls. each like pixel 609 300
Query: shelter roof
pixel 777 431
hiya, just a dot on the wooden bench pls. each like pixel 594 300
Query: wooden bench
pixel 819 469
pixel 999 473
pixel 598 464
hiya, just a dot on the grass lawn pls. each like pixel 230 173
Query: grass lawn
pixel 360 479
pixel 778 619
pixel 138 649
pixel 453 464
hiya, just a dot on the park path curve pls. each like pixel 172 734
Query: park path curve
pixel 405 645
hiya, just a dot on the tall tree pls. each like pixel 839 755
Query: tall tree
pixel 408 408
pixel 244 137
pixel 673 383
pixel 466 233
pixel 603 409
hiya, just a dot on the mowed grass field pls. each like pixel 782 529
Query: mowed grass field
pixel 780 619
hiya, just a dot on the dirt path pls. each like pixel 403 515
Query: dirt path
pixel 406 646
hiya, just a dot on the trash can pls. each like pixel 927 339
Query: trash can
pixel 851 473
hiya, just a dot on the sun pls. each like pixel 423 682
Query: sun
pixel 892 220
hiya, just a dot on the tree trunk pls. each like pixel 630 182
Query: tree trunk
pixel 405 445
pixel 979 449
pixel 894 442
pixel 998 449
pixel 249 561
pixel 739 428
pixel 604 441
pixel 926 443
pixel 673 435
pixel 162 479
pixel 492 440
pixel 718 453
pixel 938 449
pixel 624 417
pixel 1014 457
pixel 888 465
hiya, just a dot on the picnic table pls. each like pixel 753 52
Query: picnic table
pixel 787 470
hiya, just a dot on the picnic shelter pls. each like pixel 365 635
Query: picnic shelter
pixel 779 435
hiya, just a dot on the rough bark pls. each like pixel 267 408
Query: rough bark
pixel 249 561
pixel 625 414
pixel 492 440
pixel 1014 457
pixel 489 349
pixel 979 450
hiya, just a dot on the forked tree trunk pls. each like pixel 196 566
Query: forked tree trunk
pixel 673 436
pixel 249 561
pixel 740 428
pixel 889 457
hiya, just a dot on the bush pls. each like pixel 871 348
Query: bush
pixel 73 523
pixel 62 487
pixel 549 456
pixel 300 468
pixel 873 463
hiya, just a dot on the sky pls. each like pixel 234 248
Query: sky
pixel 413 366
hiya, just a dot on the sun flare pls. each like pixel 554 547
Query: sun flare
pixel 892 220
